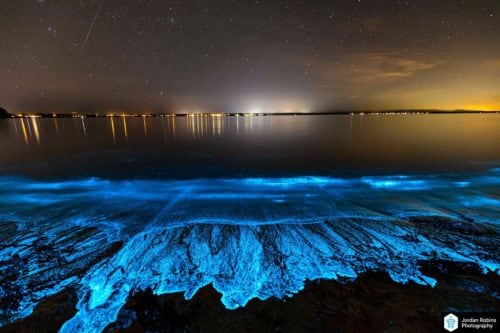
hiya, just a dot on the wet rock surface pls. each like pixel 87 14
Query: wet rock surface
pixel 48 316
pixel 371 303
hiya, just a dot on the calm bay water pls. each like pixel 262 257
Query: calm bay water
pixel 205 147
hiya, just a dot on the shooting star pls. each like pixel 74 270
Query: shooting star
pixel 92 25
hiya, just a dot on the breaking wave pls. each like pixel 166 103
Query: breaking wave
pixel 249 237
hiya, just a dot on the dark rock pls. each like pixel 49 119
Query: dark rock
pixel 48 316
pixel 371 303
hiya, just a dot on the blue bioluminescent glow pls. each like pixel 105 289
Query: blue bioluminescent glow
pixel 250 238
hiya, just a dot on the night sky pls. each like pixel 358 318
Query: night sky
pixel 248 56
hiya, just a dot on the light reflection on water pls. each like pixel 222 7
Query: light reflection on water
pixel 215 146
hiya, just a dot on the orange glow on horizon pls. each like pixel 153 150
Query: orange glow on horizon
pixel 483 107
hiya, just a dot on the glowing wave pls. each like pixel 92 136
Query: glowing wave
pixel 252 237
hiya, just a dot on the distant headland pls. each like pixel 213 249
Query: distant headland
pixel 4 113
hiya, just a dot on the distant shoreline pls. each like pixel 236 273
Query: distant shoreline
pixel 243 114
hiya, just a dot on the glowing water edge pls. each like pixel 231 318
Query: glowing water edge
pixel 251 237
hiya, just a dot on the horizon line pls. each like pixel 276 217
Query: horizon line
pixel 215 113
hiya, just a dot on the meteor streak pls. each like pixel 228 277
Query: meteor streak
pixel 91 26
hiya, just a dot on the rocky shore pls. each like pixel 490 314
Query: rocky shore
pixel 371 303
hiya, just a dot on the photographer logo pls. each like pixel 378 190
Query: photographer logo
pixel 450 322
